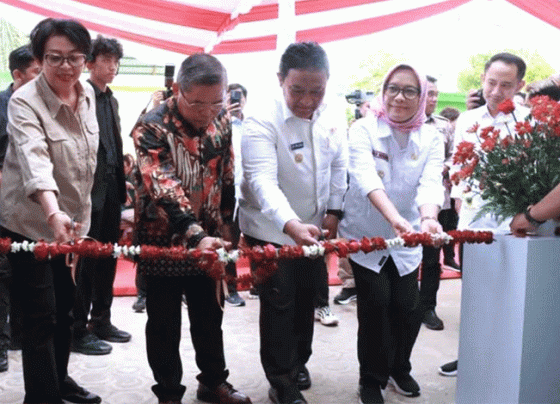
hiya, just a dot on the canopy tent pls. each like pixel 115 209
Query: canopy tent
pixel 241 26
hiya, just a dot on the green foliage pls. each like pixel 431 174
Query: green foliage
pixel 537 68
pixel 372 71
pixel 10 39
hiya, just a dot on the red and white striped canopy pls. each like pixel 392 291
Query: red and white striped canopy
pixel 241 26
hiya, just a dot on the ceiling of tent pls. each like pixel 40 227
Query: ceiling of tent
pixel 240 26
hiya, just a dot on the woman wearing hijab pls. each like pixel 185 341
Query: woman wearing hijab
pixel 395 187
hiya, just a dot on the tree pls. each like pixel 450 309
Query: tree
pixel 370 75
pixel 372 71
pixel 537 68
pixel 10 39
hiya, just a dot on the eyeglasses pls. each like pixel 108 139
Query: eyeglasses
pixel 199 106
pixel 409 92
pixel 56 60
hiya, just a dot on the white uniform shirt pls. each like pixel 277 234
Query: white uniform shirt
pixel 471 201
pixel 293 168
pixel 236 130
pixel 410 176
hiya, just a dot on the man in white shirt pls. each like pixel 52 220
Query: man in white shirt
pixel 294 178
pixel 502 78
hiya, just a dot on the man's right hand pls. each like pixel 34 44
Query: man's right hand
pixel 302 233
pixel 473 100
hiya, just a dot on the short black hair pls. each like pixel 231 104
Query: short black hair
pixel 431 79
pixel 237 86
pixel 552 91
pixel 71 29
pixel 303 56
pixel 105 46
pixel 20 59
pixel 509 59
pixel 201 69
pixel 450 113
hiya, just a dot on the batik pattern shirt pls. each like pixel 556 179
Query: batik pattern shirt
pixel 186 183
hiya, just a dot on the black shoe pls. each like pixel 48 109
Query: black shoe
pixel 111 333
pixel 253 293
pixel 303 379
pixel 370 395
pixel 71 392
pixel 89 344
pixel 235 300
pixel 452 264
pixel 276 399
pixel 405 385
pixel 3 360
pixel 223 394
pixel 140 304
pixel 449 369
pixel 346 296
pixel 432 321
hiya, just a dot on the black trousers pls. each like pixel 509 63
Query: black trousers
pixel 95 277
pixel 431 275
pixel 431 267
pixel 388 322
pixel 286 320
pixel 322 298
pixel 163 332
pixel 449 220
pixel 44 292
pixel 4 311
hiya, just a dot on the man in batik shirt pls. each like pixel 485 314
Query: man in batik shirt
pixel 186 197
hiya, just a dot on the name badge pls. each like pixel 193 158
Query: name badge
pixel 295 146
pixel 380 155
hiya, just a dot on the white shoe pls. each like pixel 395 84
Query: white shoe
pixel 326 316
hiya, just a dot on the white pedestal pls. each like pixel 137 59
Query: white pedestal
pixel 509 346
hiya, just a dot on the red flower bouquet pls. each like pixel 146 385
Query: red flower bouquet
pixel 517 170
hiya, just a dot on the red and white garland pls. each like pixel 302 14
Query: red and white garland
pixel 266 257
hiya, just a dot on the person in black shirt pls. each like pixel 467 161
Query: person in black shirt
pixel 95 277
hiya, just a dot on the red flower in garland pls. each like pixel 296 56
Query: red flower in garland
pixel 507 106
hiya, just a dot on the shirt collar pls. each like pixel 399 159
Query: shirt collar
pixel 98 92
pixel 384 130
pixel 53 103
pixel 288 114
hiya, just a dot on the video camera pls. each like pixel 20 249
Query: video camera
pixel 169 75
pixel 358 97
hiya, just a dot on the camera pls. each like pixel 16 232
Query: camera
pixel 235 96
pixel 358 97
pixel 168 83
pixel 481 101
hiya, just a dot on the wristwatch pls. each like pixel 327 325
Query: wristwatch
pixel 531 219
pixel 335 212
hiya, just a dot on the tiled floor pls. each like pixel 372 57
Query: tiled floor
pixel 124 377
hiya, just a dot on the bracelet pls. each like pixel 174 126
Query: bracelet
pixel 427 218
pixel 335 212
pixel 531 219
pixel 54 213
